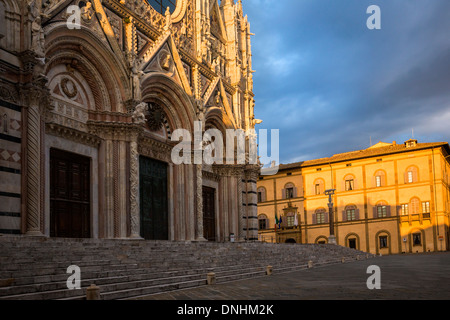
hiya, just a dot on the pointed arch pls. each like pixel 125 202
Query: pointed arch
pixel 83 51
pixel 178 106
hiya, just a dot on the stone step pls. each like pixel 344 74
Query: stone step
pixel 35 268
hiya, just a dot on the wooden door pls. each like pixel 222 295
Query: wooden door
pixel 69 195
pixel 153 199
pixel 209 214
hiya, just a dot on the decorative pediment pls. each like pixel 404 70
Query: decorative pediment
pixel 216 96
pixel 106 25
pixel 162 57
pixel 217 24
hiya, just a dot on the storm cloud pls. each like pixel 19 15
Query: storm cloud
pixel 331 85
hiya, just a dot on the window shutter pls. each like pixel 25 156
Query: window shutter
pixel 327 217
pixel 357 214
pixel 375 212
pixel 355 184
pixel 314 220
pixel 383 180
pixel 406 176
pixel 415 175
pixel 388 211
pixel 263 195
pixel 295 192
pixel 283 194
pixel 344 216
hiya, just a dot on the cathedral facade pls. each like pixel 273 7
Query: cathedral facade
pixel 90 94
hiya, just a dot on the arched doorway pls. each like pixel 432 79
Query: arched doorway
pixel 290 240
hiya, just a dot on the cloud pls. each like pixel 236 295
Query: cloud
pixel 330 84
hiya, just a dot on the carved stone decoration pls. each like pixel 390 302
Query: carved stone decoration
pixel 87 12
pixel 69 88
pixel 165 61
pixel 134 190
pixel 155 117
pixel 139 113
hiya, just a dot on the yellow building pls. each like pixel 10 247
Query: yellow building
pixel 390 198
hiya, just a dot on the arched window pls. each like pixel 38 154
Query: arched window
pixel 319 187
pixel 263 222
pixel 412 175
pixel 381 210
pixel 380 179
pixel 261 192
pixel 162 5
pixel 350 213
pixel 320 216
pixel 349 182
pixel 290 219
pixel 289 191
pixel 414 206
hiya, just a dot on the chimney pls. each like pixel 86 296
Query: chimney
pixel 394 143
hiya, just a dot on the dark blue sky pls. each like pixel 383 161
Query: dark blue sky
pixel 330 84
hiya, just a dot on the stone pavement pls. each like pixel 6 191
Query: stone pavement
pixel 403 277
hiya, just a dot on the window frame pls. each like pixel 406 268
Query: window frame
pixel 381 211
pixel 378 181
pixel 415 236
pixel 349 184
pixel 404 209
pixel 383 241
pixel 262 218
pixel 158 5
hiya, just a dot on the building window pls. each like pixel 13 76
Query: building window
pixel 405 209
pixel 161 5
pixel 381 211
pixel 320 217
pixel 319 187
pixel 383 242
pixel 352 243
pixel 289 193
pixel 350 214
pixel 261 194
pixel 262 222
pixel 380 178
pixel 349 185
pixel 426 207
pixel 411 175
pixel 290 219
pixel 414 206
pixel 417 239
pixel 378 181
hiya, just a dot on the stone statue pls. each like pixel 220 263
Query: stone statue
pixel 139 113
pixel 136 75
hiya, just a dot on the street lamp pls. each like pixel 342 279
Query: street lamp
pixel 330 193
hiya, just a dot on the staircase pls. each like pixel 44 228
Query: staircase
pixel 36 268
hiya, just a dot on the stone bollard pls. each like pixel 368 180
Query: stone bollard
pixel 269 270
pixel 310 264
pixel 211 278
pixel 93 292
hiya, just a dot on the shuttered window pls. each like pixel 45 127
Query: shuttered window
pixel 414 206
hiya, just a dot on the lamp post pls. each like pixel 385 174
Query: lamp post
pixel 330 193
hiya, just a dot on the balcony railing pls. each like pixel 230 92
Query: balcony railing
pixel 410 218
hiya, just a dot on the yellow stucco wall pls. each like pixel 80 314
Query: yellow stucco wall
pixel 431 166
